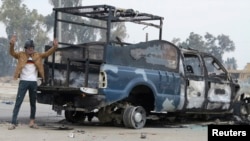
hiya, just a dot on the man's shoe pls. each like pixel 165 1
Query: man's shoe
pixel 34 126
pixel 12 127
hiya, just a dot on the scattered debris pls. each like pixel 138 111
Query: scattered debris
pixel 80 131
pixel 143 135
pixel 61 127
pixel 64 128
pixel 71 135
pixel 8 102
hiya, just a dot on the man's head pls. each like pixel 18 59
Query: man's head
pixel 29 46
pixel 29 43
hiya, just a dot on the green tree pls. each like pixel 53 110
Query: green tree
pixel 26 24
pixel 231 63
pixel 217 46
pixel 6 59
pixel 194 41
pixel 176 40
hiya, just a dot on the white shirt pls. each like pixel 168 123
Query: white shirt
pixel 29 71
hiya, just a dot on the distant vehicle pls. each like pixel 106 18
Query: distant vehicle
pixel 127 84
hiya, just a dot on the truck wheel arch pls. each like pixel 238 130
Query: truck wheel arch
pixel 142 95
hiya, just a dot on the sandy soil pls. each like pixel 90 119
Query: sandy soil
pixel 53 127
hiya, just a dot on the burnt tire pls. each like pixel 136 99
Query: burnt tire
pixel 126 116
pixel 134 117
pixel 74 116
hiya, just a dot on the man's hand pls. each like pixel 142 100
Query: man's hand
pixel 13 40
pixel 55 42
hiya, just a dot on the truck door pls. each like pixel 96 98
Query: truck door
pixel 195 83
pixel 219 91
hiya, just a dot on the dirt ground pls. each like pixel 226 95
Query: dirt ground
pixel 53 127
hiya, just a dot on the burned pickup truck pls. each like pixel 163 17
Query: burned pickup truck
pixel 127 84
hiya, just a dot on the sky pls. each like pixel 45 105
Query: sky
pixel 228 17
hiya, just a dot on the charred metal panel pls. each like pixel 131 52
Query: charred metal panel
pixel 181 68
pixel 219 92
pixel 216 106
pixel 76 79
pixel 195 94
pixel 219 96
pixel 89 51
pixel 181 96
pixel 157 55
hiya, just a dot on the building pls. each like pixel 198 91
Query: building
pixel 241 75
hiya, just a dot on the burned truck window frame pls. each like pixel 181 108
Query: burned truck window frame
pixel 213 66
pixel 193 64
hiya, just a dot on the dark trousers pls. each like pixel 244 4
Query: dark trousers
pixel 23 87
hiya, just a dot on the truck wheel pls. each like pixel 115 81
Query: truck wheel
pixel 134 117
pixel 74 116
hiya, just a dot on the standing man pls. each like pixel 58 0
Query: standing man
pixel 29 67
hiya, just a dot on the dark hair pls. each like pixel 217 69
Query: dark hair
pixel 29 43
